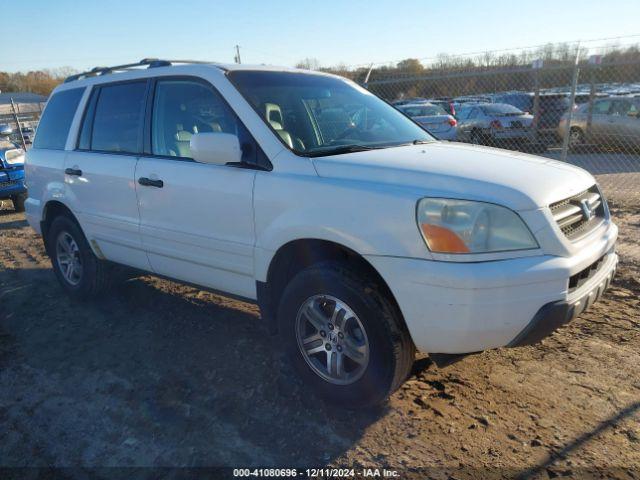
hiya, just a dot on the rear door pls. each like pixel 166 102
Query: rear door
pixel 196 219
pixel 99 173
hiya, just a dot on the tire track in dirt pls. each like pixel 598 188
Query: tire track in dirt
pixel 165 374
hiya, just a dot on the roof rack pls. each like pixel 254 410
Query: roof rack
pixel 148 62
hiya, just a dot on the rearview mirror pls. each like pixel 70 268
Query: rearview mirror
pixel 216 148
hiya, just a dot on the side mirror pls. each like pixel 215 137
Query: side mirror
pixel 216 148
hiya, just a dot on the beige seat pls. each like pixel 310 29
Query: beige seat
pixel 182 139
pixel 273 114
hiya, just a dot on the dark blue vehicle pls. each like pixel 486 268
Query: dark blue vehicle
pixel 12 174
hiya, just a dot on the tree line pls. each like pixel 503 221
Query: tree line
pixel 445 75
pixel 41 82
pixel 451 75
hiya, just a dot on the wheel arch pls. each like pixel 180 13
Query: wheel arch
pixel 298 254
pixel 51 210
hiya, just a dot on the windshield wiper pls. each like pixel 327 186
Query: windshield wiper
pixel 343 149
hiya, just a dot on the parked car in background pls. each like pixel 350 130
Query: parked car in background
pixel 497 124
pixel 472 99
pixel 446 104
pixel 408 100
pixel 12 174
pixel 521 100
pixel 5 131
pixel 552 107
pixel 615 121
pixel 433 118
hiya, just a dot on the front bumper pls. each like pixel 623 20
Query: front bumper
pixel 452 307
pixel 553 315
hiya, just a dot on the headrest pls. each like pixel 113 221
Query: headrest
pixel 273 113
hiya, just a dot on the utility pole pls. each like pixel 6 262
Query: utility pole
pixel 572 100
pixel 366 79
pixel 237 57
pixel 16 117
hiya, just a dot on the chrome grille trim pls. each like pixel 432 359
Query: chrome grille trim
pixel 580 214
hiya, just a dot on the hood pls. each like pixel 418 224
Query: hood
pixel 516 180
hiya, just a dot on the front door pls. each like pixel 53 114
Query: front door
pixel 196 220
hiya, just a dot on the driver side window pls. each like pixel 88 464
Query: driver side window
pixel 182 108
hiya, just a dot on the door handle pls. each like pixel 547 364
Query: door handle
pixel 73 171
pixel 147 182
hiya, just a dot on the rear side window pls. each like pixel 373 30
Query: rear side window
pixel 118 118
pixel 54 125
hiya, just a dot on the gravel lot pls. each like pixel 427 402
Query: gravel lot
pixel 161 374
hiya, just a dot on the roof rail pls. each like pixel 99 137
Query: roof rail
pixel 148 62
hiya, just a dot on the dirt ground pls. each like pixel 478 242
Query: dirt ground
pixel 161 374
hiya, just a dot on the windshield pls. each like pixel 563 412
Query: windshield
pixel 501 109
pixel 316 115
pixel 523 102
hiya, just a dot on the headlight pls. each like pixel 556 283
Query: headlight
pixel 13 157
pixel 462 226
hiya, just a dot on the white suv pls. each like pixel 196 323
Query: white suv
pixel 360 237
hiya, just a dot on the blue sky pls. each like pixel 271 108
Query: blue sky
pixel 82 34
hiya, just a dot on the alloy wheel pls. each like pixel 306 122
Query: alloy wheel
pixel 68 258
pixel 332 339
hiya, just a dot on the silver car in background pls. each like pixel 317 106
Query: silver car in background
pixel 497 124
pixel 615 121
pixel 433 119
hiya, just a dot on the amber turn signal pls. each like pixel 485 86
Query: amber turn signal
pixel 443 240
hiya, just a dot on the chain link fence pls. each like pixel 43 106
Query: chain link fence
pixel 579 104
pixel 18 121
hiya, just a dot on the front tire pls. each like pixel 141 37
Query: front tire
pixel 344 337
pixel 79 271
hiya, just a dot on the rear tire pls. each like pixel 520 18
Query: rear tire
pixel 18 202
pixel 365 320
pixel 82 275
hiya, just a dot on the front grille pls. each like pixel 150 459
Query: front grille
pixel 578 215
pixel 577 280
pixel 8 183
